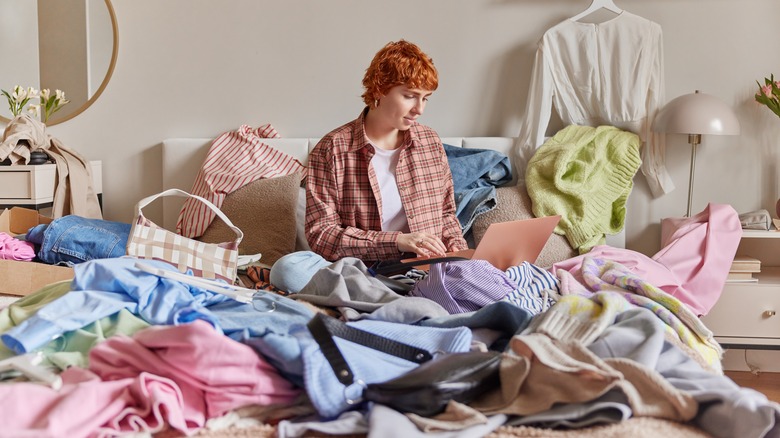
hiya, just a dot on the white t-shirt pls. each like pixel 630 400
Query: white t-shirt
pixel 393 213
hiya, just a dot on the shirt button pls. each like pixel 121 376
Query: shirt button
pixel 410 216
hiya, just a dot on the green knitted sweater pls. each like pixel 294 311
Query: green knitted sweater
pixel 585 175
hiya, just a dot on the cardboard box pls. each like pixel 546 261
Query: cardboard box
pixel 17 220
pixel 23 278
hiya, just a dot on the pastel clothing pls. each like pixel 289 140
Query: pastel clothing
pixel 464 285
pixel 585 175
pixel 328 395
pixel 610 288
pixel 12 248
pixel 609 73
pixel 693 264
pixel 162 377
pixel 537 289
pixel 235 159
pixel 344 202
pixel 102 288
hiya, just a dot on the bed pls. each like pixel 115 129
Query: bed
pixel 676 390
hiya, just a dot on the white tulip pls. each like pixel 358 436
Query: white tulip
pixel 33 109
pixel 60 95
pixel 45 94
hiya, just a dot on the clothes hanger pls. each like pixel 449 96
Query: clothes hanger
pixel 595 5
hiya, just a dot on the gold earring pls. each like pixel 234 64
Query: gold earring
pixel 376 103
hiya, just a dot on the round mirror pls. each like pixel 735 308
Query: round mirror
pixel 68 45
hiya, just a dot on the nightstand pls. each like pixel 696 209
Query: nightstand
pixel 33 186
pixel 747 314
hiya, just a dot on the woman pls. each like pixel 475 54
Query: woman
pixel 379 187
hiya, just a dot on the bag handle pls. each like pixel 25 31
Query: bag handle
pixel 323 328
pixel 182 194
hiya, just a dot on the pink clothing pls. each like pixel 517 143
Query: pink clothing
pixel 15 249
pixel 235 159
pixel 175 375
pixel 692 265
pixel 699 250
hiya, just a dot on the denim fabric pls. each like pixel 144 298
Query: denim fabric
pixel 475 175
pixel 74 239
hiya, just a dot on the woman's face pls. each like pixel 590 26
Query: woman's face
pixel 401 106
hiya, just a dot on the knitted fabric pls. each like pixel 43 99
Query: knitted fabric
pixel 605 275
pixel 610 288
pixel 584 174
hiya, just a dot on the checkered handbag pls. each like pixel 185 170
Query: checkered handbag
pixel 208 260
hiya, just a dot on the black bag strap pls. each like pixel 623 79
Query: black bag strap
pixel 398 266
pixel 323 328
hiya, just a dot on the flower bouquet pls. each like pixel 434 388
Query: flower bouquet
pixel 769 94
pixel 48 103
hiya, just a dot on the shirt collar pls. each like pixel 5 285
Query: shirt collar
pixel 359 132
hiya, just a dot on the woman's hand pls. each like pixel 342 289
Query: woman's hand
pixel 422 244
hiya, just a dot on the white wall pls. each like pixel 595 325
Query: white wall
pixel 17 43
pixel 191 68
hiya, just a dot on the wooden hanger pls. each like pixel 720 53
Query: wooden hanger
pixel 595 5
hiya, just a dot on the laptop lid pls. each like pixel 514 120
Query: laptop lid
pixel 507 244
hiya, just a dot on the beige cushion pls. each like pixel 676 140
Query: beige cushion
pixel 513 203
pixel 265 212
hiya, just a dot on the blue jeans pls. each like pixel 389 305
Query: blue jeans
pixel 74 239
pixel 291 272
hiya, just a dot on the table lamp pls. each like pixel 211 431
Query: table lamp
pixel 696 114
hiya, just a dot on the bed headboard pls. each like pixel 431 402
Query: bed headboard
pixel 183 157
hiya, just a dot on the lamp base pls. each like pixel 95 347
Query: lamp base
pixel 694 140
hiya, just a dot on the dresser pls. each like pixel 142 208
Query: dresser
pixel 747 315
pixel 33 186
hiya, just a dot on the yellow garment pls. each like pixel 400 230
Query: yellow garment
pixel 585 175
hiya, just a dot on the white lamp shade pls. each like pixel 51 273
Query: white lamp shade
pixel 697 113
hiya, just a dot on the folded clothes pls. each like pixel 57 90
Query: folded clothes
pixel 12 248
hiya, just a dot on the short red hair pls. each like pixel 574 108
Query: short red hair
pixel 398 63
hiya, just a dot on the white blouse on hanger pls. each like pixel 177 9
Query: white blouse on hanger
pixel 609 73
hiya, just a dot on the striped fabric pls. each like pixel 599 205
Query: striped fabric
pixel 464 285
pixel 235 159
pixel 534 285
pixel 207 260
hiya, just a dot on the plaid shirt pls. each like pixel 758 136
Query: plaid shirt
pixel 343 202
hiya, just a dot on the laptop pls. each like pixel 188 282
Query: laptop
pixel 505 244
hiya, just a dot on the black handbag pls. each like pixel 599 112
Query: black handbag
pixel 425 390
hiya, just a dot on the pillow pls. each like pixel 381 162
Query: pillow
pixel 513 203
pixel 265 211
